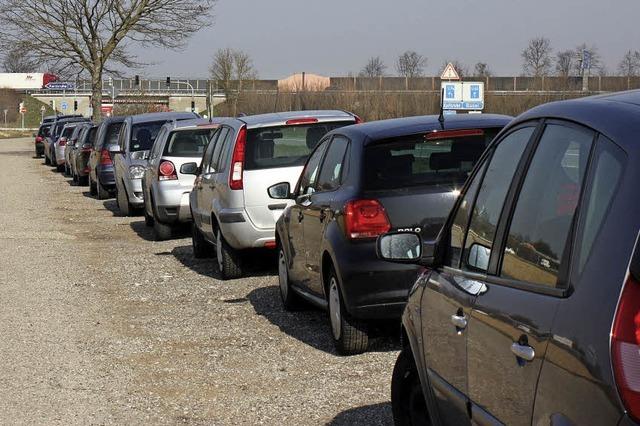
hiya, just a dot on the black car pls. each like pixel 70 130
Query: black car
pixel 54 134
pixel 102 182
pixel 528 309
pixel 359 182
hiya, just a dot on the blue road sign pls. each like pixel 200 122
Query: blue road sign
pixel 475 91
pixel 64 105
pixel 58 85
pixel 450 91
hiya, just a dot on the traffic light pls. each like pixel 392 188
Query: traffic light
pixel 137 80
pixel 168 82
pixel 193 106
pixel 75 105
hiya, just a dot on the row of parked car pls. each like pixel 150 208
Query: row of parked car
pixel 507 246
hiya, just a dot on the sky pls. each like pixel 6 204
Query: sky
pixel 337 37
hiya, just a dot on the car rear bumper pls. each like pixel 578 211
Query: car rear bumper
pixel 372 288
pixel 240 233
pixel 59 155
pixel 106 176
pixel 134 191
pixel 39 148
pixel 172 203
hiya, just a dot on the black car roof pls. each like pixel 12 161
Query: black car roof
pixel 615 115
pixel 398 127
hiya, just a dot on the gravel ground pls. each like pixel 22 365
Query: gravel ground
pixel 102 325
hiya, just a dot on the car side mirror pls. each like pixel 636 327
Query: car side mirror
pixel 280 191
pixel 189 169
pixel 479 256
pixel 406 247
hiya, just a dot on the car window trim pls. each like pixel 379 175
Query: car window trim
pixel 322 141
pixel 324 158
pixel 506 216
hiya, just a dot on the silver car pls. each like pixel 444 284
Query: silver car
pixel 60 145
pixel 168 178
pixel 137 134
pixel 232 210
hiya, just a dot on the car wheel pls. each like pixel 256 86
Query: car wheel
pixel 102 193
pixel 83 180
pixel 161 231
pixel 349 335
pixel 228 259
pixel 290 300
pixel 201 247
pixel 60 167
pixel 93 190
pixel 46 160
pixel 122 199
pixel 408 404
pixel 148 219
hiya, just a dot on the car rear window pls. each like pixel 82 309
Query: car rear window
pixel 113 130
pixel 44 130
pixel 188 143
pixel 435 159
pixel 284 146
pixel 144 134
pixel 67 132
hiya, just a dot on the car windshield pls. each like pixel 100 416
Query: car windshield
pixel 284 146
pixel 144 134
pixel 113 130
pixel 424 160
pixel 188 143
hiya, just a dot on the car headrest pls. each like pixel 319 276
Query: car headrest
pixel 443 161
pixel 314 134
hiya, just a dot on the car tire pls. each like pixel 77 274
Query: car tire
pixel 93 190
pixel 148 219
pixel 201 247
pixel 122 199
pixel 46 160
pixel 408 404
pixel 290 300
pixel 227 258
pixel 83 180
pixel 161 231
pixel 102 193
pixel 350 335
pixel 60 168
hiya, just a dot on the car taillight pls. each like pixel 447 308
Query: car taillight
pixel 365 219
pixel 358 119
pixel 167 171
pixel 237 161
pixel 62 142
pixel 448 134
pixel 38 139
pixel 105 158
pixel 87 169
pixel 625 347
pixel 301 120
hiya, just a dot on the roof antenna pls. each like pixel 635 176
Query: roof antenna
pixel 441 117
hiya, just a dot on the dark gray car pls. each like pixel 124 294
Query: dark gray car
pixel 102 183
pixel 80 155
pixel 529 310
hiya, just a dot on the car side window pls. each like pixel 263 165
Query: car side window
pixel 491 197
pixel 122 138
pixel 159 145
pixel 538 238
pixel 205 166
pixel 215 158
pixel 331 171
pixel 310 174
pixel 605 173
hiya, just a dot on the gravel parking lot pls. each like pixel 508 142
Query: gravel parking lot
pixel 102 325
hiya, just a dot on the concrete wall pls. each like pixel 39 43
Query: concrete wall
pixel 59 100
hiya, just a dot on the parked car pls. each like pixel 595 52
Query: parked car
pixel 58 147
pixel 230 205
pixel 40 135
pixel 70 148
pixel 54 135
pixel 102 183
pixel 80 157
pixel 527 311
pixel 356 185
pixel 168 179
pixel 135 140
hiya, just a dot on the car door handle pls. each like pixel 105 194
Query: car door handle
pixel 300 216
pixel 460 321
pixel 524 352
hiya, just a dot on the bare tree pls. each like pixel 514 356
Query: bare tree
pixel 481 69
pixel 537 57
pixel 587 60
pixel 411 64
pixel 630 64
pixel 231 68
pixel 94 35
pixel 19 59
pixel 375 67
pixel 461 68
pixel 565 63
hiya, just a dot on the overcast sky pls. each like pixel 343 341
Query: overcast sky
pixel 335 37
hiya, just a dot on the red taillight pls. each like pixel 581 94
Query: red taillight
pixel 303 120
pixel 62 142
pixel 237 161
pixel 105 158
pixel 448 134
pixel 167 171
pixel 87 169
pixel 365 219
pixel 270 244
pixel 38 139
pixel 358 119
pixel 625 347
